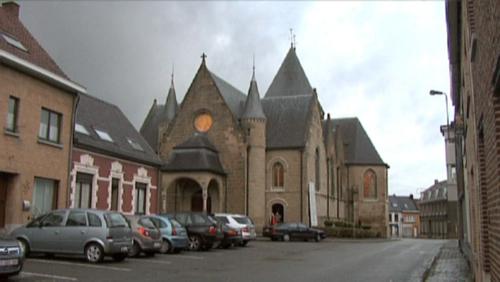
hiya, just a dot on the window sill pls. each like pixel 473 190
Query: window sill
pixel 276 189
pixel 11 133
pixel 50 143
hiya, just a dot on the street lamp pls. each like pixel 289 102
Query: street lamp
pixel 435 92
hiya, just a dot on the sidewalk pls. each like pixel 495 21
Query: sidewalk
pixel 449 265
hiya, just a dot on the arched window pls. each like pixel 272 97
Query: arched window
pixel 278 175
pixel 370 184
pixel 316 169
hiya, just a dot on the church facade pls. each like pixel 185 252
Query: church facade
pixel 224 151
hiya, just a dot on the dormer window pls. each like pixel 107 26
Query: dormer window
pixel 81 129
pixel 14 42
pixel 135 145
pixel 103 135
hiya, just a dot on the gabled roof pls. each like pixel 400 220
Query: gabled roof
pixel 95 114
pixel 290 80
pixel 253 106
pixel 438 191
pixel 233 97
pixel 287 118
pixel 197 153
pixel 401 204
pixel 11 26
pixel 359 148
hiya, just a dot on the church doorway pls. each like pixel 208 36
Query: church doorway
pixel 278 212
pixel 186 194
pixel 197 202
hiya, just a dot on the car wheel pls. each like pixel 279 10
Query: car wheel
pixel 119 257
pixel 94 253
pixel 317 238
pixel 194 243
pixel 286 237
pixel 135 250
pixel 166 247
pixel 25 248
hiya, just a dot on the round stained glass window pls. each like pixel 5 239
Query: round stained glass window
pixel 203 122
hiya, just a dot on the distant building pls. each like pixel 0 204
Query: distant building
pixel 37 102
pixel 404 217
pixel 113 167
pixel 438 212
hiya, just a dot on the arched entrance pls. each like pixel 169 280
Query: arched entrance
pixel 279 212
pixel 197 202
pixel 195 194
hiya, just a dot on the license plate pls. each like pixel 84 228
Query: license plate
pixel 124 249
pixel 9 262
pixel 157 244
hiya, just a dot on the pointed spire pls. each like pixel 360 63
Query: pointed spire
pixel 253 106
pixel 171 106
pixel 290 80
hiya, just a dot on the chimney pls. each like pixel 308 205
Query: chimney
pixel 436 181
pixel 12 8
pixel 411 196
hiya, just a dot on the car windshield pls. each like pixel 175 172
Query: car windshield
pixel 175 223
pixel 243 220
pixel 115 220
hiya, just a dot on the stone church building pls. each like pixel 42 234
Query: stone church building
pixel 224 151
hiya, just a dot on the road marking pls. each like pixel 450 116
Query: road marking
pixel 24 273
pixel 81 264
pixel 189 257
pixel 150 260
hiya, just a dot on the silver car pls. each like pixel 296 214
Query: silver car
pixel 93 233
pixel 242 223
pixel 146 237
pixel 11 257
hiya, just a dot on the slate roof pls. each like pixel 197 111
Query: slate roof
pixel 290 80
pixel 234 98
pixel 93 113
pixel 195 154
pixel 253 106
pixel 35 54
pixel 401 203
pixel 438 191
pixel 360 149
pixel 287 118
pixel 149 128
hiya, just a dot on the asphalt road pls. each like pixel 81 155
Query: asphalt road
pixel 329 260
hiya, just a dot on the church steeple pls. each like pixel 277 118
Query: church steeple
pixel 253 106
pixel 171 106
pixel 290 80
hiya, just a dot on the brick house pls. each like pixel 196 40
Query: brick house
pixel 37 102
pixel 227 151
pixel 474 57
pixel 113 167
pixel 438 211
pixel 404 217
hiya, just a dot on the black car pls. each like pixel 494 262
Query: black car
pixel 290 231
pixel 11 256
pixel 202 231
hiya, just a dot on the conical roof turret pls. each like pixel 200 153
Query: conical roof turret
pixel 253 106
pixel 171 106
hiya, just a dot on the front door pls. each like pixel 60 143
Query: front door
pixel 3 198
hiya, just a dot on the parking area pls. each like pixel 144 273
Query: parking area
pixel 259 261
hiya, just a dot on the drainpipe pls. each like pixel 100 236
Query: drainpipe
pixel 225 194
pixel 328 188
pixel 338 192
pixel 70 159
pixel 247 190
pixel 301 186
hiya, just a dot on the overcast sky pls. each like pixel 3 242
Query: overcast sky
pixel 373 60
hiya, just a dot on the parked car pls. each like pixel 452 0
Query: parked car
pixel 146 237
pixel 290 231
pixel 174 235
pixel 239 222
pixel 230 236
pixel 202 232
pixel 11 256
pixel 90 232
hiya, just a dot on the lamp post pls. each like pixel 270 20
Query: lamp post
pixel 435 92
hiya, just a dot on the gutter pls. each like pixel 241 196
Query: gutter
pixel 70 159
pixel 40 73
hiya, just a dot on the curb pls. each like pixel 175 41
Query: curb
pixel 430 264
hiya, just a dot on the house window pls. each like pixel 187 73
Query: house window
pixel 370 184
pixel 278 175
pixel 103 135
pixel 83 190
pixel 140 198
pixel 44 196
pixel 50 125
pixel 396 217
pixel 81 129
pixel 390 217
pixel 12 114
pixel 115 183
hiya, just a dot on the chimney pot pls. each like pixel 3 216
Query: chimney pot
pixel 436 181
pixel 411 196
pixel 12 8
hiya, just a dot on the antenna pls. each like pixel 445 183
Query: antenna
pixel 291 37
pixel 253 67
